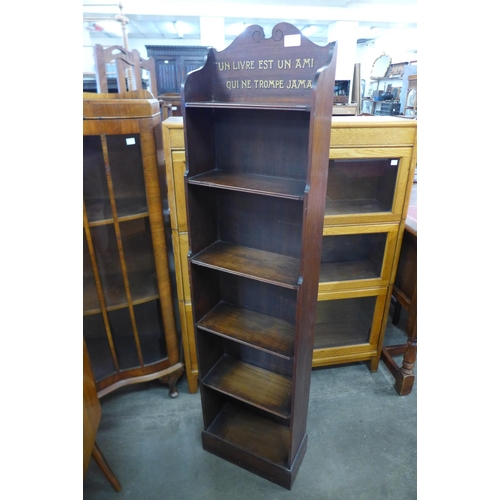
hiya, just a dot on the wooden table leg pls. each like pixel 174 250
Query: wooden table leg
pixel 106 469
pixel 404 375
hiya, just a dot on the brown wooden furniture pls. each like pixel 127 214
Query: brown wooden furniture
pixel 364 146
pixel 173 63
pixel 405 295
pixel 91 418
pixel 257 134
pixel 128 316
pixel 129 66
pixel 171 104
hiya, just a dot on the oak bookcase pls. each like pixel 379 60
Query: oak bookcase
pixel 257 126
pixel 128 314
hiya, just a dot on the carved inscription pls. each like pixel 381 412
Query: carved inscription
pixel 260 66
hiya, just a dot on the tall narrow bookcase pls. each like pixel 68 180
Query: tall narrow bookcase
pixel 257 130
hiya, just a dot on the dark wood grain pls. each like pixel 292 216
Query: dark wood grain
pixel 257 130
pixel 251 384
pixel 256 264
pixel 257 435
pixel 252 183
pixel 250 327
pixel 252 105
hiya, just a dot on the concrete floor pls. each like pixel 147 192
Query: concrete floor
pixel 362 443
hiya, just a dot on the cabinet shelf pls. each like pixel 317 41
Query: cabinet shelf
pixel 247 105
pixel 260 265
pixel 344 207
pixel 252 433
pixel 251 384
pixel 341 333
pixel 99 211
pixel 352 270
pixel 142 285
pixel 280 187
pixel 258 330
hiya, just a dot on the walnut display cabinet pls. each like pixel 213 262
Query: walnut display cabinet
pixel 257 126
pixel 128 318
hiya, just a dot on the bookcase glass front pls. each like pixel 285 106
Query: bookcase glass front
pixel 119 255
pixel 344 322
pixel 361 186
pixel 347 257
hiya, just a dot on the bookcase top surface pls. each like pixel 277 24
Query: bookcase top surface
pixel 255 69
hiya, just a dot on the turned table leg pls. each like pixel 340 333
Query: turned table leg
pixel 404 375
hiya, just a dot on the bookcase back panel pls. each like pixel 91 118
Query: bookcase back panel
pixel 261 297
pixel 215 286
pixel 260 222
pixel 263 142
pixel 259 358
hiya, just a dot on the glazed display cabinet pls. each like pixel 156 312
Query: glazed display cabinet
pixel 256 168
pixel 128 316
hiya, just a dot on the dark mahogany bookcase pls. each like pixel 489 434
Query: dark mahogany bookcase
pixel 257 131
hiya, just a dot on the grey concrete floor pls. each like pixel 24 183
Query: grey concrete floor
pixel 362 443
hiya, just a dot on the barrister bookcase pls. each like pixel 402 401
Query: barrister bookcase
pixel 257 127
pixel 355 287
pixel 128 314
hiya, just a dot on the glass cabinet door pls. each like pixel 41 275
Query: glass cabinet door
pixel 357 256
pixel 366 185
pixel 348 324
pixel 123 325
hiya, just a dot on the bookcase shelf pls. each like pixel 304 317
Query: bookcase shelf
pixel 261 331
pixel 255 197
pixel 251 384
pixel 277 269
pixel 251 183
pixel 247 105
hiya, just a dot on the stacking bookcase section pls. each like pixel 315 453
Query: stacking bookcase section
pixel 366 185
pixel 349 324
pixel 354 256
pixel 128 315
pixel 255 197
pixel 369 180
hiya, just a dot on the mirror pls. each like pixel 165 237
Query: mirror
pixel 380 67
